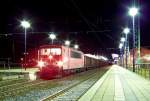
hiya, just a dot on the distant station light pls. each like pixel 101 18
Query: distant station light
pixel 76 46
pixel 52 36
pixel 25 24
pixel 123 39
pixel 120 45
pixel 67 43
pixel 126 30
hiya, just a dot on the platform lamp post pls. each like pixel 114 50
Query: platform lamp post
pixel 25 24
pixel 52 36
pixel 126 32
pixel 121 53
pixel 133 12
pixel 123 48
pixel 123 39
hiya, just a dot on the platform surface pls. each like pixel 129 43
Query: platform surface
pixel 27 70
pixel 119 84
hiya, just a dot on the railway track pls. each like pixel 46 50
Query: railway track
pixel 36 91
pixel 11 81
pixel 18 84
pixel 74 91
pixel 17 88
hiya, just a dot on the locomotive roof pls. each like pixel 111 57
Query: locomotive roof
pixel 96 57
pixel 47 46
pixel 54 45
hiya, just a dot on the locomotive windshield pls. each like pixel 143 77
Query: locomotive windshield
pixel 51 51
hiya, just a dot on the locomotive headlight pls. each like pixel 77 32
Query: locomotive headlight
pixel 40 64
pixel 60 63
pixel 50 57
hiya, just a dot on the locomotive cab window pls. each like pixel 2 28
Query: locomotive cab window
pixel 45 51
pixel 55 51
pixel 52 51
pixel 75 54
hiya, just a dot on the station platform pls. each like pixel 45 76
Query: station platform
pixel 119 84
pixel 27 70
pixel 29 73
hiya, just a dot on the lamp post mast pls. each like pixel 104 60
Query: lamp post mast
pixel 126 32
pixel 133 12
pixel 25 24
pixel 139 52
pixel 126 42
pixel 133 43
pixel 25 53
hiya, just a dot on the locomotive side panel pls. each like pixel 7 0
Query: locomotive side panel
pixel 65 57
pixel 76 59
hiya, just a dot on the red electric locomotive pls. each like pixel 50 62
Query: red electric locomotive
pixel 57 60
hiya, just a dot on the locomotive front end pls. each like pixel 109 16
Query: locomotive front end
pixel 50 61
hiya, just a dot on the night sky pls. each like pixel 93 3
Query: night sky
pixel 96 25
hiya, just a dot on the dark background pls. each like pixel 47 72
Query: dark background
pixel 96 25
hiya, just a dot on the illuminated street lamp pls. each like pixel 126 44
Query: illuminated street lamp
pixel 133 12
pixel 121 53
pixel 126 31
pixel 67 43
pixel 76 46
pixel 25 24
pixel 120 45
pixel 123 39
pixel 52 36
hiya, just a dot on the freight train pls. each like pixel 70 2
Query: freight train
pixel 58 60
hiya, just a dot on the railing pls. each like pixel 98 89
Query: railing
pixel 143 69
pixel 10 65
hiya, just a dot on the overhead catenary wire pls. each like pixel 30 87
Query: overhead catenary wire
pixel 92 26
pixel 86 21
